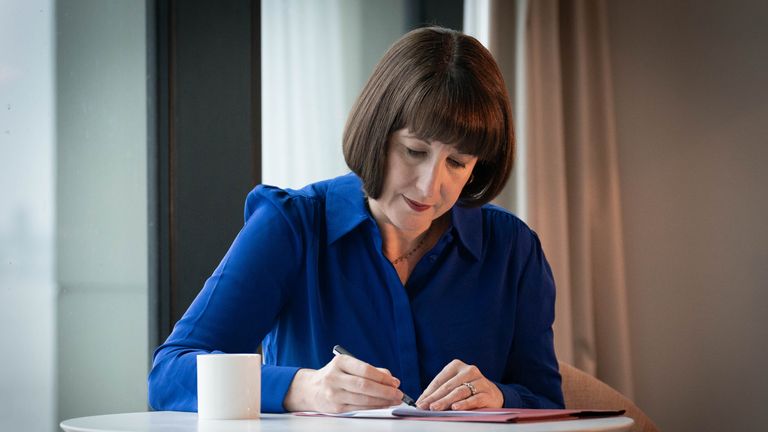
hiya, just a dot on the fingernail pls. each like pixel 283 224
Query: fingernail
pixel 421 405
pixel 434 407
pixel 396 381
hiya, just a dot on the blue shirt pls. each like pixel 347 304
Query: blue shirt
pixel 307 272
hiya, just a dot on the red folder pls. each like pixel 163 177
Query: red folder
pixel 515 415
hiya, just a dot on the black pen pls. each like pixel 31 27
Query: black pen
pixel 339 350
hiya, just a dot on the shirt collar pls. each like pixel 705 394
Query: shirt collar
pixel 344 206
pixel 345 209
pixel 468 226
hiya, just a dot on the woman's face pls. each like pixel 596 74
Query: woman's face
pixel 422 182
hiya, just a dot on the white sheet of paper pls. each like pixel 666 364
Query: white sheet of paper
pixel 405 410
pixel 373 413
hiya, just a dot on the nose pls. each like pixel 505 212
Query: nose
pixel 430 179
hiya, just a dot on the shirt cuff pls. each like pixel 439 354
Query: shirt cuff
pixel 275 381
pixel 517 396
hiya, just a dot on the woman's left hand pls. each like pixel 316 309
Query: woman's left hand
pixel 460 386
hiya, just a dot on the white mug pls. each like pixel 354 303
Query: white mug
pixel 228 386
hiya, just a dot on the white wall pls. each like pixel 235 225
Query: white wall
pixel 691 88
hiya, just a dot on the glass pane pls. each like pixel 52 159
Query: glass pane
pixel 27 156
pixel 101 207
pixel 73 214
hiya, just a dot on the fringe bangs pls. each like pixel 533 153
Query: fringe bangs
pixel 457 113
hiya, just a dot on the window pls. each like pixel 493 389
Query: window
pixel 73 223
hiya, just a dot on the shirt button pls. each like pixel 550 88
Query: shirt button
pixel 432 258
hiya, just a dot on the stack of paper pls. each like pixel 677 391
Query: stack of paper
pixel 501 415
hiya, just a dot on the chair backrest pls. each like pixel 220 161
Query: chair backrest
pixel 583 391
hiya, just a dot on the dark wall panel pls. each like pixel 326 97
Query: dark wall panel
pixel 209 143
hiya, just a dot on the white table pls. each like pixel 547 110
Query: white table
pixel 172 421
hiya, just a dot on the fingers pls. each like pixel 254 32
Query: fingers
pixel 360 368
pixel 388 373
pixel 480 400
pixel 448 390
pixel 455 395
pixel 344 384
pixel 458 393
pixel 358 384
pixel 448 371
pixel 368 392
pixel 447 386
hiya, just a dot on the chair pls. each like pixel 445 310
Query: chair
pixel 583 391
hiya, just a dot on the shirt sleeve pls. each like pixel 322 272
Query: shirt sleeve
pixel 237 306
pixel 532 379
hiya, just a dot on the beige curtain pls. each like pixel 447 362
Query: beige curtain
pixel 570 183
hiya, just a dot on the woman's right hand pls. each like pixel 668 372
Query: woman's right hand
pixel 344 384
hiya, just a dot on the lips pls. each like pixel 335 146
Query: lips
pixel 415 205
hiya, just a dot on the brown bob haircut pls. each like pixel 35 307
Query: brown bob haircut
pixel 442 85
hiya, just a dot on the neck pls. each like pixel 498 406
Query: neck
pixel 395 241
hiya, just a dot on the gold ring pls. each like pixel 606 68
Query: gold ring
pixel 471 387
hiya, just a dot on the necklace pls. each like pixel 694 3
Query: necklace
pixel 405 256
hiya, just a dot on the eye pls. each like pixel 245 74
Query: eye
pixel 456 164
pixel 415 153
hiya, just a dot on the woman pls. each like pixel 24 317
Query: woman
pixel 402 262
